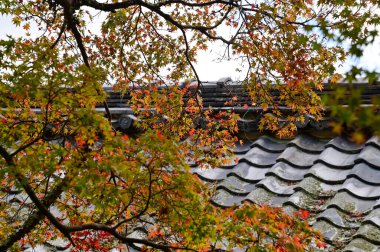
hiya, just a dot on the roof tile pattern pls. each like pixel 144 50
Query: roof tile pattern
pixel 336 180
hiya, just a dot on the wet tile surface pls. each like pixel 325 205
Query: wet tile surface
pixel 336 180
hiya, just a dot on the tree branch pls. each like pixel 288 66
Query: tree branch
pixel 110 7
pixel 59 35
pixel 34 218
pixel 41 206
pixel 4 153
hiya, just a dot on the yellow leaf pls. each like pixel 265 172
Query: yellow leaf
pixel 335 78
pixel 358 137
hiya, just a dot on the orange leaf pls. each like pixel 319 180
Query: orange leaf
pixel 321 244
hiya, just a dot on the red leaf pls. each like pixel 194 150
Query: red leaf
pixel 321 244
pixel 304 214
pixel 159 135
pixel 80 142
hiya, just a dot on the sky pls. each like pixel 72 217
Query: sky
pixel 210 69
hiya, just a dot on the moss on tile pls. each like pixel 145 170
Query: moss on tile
pixel 260 196
pixel 369 231
pixel 362 245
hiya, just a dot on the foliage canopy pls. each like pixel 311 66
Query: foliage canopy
pixel 66 173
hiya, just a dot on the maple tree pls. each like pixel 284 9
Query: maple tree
pixel 66 173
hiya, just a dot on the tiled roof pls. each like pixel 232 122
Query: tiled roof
pixel 216 94
pixel 336 180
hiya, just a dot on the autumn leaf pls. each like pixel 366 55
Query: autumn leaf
pixel 125 137
pixel 160 135
pixel 321 244
pixel 304 214
pixel 335 78
pixel 191 132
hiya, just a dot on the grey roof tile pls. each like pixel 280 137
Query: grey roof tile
pixel 360 189
pixel 369 232
pixel 341 236
pixel 304 200
pixel 308 144
pixel 262 196
pixel 249 172
pixel 225 199
pixel 329 174
pixel 377 204
pixel 211 174
pixel 296 157
pixel 269 144
pixel 370 155
pixel 335 158
pixel 330 232
pixel 374 141
pixel 350 204
pixel 287 172
pixel 373 217
pixel 344 145
pixel 260 158
pixel 366 173
pixel 277 186
pixel 317 187
pixel 361 245
pixel 236 186
pixel 339 218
